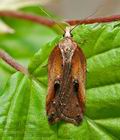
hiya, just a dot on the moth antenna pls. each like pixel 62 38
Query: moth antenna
pixel 74 27
pixel 52 19
pixel 97 9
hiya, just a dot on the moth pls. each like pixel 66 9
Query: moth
pixel 66 82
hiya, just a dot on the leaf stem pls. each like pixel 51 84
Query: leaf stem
pixel 28 16
pixel 94 20
pixel 9 60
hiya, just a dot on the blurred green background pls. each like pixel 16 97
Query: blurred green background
pixel 20 38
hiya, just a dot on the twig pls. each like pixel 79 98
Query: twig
pixel 50 23
pixel 28 16
pixel 95 20
pixel 9 60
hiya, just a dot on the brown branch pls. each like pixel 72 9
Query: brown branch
pixel 26 16
pixel 94 20
pixel 9 60
pixel 50 23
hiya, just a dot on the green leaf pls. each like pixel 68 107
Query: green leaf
pixel 101 46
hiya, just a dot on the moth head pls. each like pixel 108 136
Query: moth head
pixel 67 32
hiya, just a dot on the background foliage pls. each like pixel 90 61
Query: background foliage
pixel 22 99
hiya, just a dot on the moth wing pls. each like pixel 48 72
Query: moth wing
pixel 79 73
pixel 54 72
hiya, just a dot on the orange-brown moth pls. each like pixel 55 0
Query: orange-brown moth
pixel 66 82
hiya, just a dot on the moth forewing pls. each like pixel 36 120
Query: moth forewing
pixel 54 74
pixel 79 73
pixel 66 82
